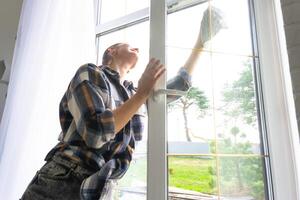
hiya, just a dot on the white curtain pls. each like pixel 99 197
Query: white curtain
pixel 54 38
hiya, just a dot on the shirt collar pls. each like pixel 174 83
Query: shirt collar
pixel 116 76
pixel 128 84
pixel 112 73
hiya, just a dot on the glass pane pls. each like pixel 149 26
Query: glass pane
pixel 190 119
pixel 112 9
pixel 242 178
pixel 224 120
pixel 192 177
pixel 236 38
pixel 235 105
pixel 134 183
pixel 183 26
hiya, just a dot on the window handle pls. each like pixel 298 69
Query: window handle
pixel 172 92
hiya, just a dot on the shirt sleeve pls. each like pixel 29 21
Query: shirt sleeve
pixel 86 102
pixel 182 82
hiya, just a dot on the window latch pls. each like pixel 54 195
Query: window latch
pixel 171 92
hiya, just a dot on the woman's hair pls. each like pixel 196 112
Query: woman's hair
pixel 106 58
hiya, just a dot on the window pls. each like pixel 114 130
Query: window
pixel 112 9
pixel 216 136
pixel 124 25
pixel 133 184
pixel 214 140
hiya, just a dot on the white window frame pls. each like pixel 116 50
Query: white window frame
pixel 157 183
pixel 278 105
pixel 278 101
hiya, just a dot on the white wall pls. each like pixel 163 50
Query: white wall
pixel 9 18
pixel 291 17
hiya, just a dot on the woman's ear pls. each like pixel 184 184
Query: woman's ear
pixel 112 51
pixel 110 55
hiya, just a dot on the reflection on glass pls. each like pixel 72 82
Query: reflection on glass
pixel 235 105
pixel 112 9
pixel 241 178
pixel 236 38
pixel 133 185
pixel 192 177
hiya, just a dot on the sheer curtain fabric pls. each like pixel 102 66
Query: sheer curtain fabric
pixel 54 38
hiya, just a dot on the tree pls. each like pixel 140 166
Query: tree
pixel 240 97
pixel 240 173
pixel 193 98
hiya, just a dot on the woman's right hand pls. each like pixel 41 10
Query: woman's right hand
pixel 152 73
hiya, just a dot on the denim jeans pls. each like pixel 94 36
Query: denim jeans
pixel 58 179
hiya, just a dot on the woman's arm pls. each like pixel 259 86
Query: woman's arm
pixel 212 22
pixel 125 112
pixel 193 58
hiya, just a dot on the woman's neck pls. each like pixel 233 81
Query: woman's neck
pixel 121 69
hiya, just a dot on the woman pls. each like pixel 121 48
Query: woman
pixel 101 118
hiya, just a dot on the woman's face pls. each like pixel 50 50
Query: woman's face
pixel 127 54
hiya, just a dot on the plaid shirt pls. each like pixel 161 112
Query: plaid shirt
pixel 88 130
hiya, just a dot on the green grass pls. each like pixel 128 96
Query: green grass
pixel 191 174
